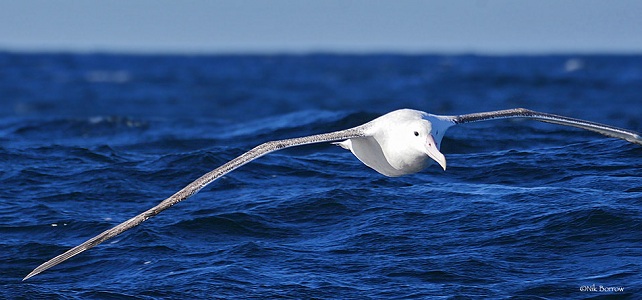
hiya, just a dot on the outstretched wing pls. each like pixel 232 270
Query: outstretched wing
pixel 607 130
pixel 196 186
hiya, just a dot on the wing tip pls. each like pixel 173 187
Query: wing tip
pixel 33 273
pixel 43 267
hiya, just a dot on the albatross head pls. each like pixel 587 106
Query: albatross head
pixel 422 141
pixel 401 142
pixel 410 141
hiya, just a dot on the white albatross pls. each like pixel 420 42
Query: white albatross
pixel 401 142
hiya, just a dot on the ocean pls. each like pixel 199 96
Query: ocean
pixel 525 209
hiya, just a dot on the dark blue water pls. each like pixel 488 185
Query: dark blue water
pixel 524 209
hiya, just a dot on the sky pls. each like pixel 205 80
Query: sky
pixel 298 26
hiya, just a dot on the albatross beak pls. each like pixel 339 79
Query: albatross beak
pixel 432 151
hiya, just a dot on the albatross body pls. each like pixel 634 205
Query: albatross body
pixel 402 142
pixel 398 143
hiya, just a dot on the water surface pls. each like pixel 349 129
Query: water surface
pixel 524 209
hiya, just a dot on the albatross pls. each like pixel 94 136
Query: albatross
pixel 398 143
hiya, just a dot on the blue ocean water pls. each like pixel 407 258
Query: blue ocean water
pixel 525 209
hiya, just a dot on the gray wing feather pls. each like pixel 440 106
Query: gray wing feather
pixel 607 130
pixel 196 186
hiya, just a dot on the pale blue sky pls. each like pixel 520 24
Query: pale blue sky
pixel 456 26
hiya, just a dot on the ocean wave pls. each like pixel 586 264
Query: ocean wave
pixel 525 209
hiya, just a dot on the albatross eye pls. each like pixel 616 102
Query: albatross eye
pixel 416 133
